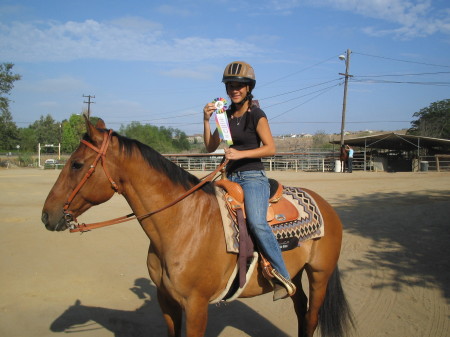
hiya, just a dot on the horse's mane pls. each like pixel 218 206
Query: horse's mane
pixel 157 161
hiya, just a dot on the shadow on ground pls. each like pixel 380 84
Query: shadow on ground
pixel 147 320
pixel 411 236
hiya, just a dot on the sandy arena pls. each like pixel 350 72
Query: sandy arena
pixel 395 263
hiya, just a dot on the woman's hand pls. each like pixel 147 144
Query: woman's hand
pixel 233 154
pixel 212 141
pixel 208 111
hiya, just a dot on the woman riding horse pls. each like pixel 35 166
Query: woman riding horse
pixel 252 140
pixel 187 258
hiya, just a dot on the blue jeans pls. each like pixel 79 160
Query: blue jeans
pixel 350 164
pixel 256 191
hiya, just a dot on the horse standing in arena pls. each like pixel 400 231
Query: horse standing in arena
pixel 187 259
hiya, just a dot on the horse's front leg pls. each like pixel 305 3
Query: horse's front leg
pixel 172 312
pixel 196 316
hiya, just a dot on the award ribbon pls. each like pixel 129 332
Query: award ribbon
pixel 221 119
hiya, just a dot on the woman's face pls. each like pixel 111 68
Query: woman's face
pixel 237 91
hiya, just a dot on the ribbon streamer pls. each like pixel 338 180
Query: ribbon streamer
pixel 223 127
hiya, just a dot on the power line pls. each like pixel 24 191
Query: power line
pixel 296 72
pixel 285 112
pixel 400 75
pixel 400 60
pixel 437 84
pixel 290 92
pixel 298 97
pixel 259 99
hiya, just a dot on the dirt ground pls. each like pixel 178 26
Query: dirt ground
pixel 395 263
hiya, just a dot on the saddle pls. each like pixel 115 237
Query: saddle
pixel 292 214
pixel 280 210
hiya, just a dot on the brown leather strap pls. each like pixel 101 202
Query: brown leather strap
pixel 86 227
pixel 101 154
pixel 245 247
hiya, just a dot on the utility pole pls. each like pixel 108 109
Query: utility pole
pixel 344 103
pixel 89 104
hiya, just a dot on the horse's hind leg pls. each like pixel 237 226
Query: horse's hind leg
pixel 300 301
pixel 172 313
pixel 318 281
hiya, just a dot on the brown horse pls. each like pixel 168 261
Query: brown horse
pixel 343 157
pixel 187 258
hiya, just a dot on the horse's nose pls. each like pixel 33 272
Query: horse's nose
pixel 44 218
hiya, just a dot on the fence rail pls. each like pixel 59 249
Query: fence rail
pixel 314 162
pixel 320 162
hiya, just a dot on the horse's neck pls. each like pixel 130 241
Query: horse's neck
pixel 147 190
pixel 102 316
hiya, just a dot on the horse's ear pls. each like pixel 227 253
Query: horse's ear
pixel 77 302
pixel 100 124
pixel 92 130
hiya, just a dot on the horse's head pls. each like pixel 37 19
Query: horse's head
pixel 82 183
pixel 74 315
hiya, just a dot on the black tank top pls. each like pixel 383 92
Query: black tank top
pixel 245 137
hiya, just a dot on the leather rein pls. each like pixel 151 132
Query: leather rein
pixel 101 156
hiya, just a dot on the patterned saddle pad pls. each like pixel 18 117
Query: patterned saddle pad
pixel 290 234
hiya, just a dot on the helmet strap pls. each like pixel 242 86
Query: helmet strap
pixel 245 99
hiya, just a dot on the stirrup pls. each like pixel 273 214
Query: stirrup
pixel 290 287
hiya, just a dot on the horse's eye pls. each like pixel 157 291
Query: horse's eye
pixel 77 165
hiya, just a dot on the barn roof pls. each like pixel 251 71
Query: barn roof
pixel 398 142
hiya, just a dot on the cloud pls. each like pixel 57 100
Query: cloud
pixel 126 39
pixel 414 18
pixel 173 10
pixel 52 85
pixel 198 73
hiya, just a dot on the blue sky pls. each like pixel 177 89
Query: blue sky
pixel 160 62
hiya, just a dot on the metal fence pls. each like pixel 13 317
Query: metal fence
pixel 317 161
pixel 310 161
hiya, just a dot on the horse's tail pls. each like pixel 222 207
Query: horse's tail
pixel 335 316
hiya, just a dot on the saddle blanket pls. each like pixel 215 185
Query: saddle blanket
pixel 308 225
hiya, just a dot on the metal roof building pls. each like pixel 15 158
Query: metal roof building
pixel 397 152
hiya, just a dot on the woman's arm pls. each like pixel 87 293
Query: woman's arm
pixel 211 140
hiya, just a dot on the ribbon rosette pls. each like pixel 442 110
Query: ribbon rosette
pixel 221 106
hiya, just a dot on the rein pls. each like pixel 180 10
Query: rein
pixel 77 227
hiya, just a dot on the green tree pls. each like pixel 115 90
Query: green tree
pixel 433 121
pixel 72 132
pixel 47 130
pixel 162 139
pixel 9 134
pixel 28 142
pixel 180 141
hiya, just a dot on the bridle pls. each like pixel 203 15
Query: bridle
pixel 101 156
